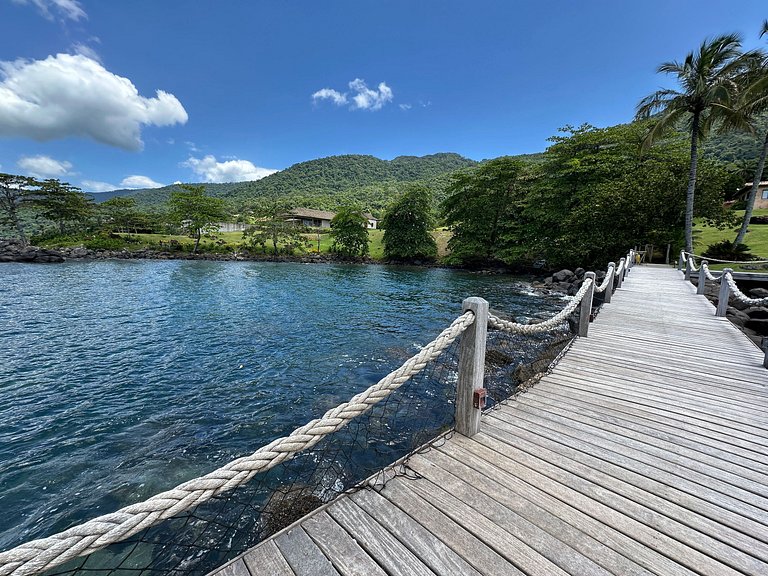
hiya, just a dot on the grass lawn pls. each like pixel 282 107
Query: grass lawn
pixel 756 239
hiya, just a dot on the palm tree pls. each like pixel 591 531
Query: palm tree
pixel 708 82
pixel 753 101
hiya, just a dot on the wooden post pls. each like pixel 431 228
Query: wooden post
pixel 680 261
pixel 471 368
pixel 722 298
pixel 586 306
pixel 623 266
pixel 701 288
pixel 764 347
pixel 688 267
pixel 666 258
pixel 609 289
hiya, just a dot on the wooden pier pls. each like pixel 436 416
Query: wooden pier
pixel 645 451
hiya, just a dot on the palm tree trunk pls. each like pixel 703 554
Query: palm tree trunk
pixel 691 183
pixel 753 192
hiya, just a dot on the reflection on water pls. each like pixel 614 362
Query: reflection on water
pixel 121 379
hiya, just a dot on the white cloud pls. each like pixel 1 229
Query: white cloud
pixel 362 98
pixel 138 181
pixel 85 50
pixel 44 166
pixel 73 95
pixel 328 94
pixel 405 106
pixel 96 186
pixel 212 170
pixel 67 8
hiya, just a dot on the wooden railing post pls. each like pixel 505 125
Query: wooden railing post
pixel 702 287
pixel 764 347
pixel 722 298
pixel 469 405
pixel 688 268
pixel 680 261
pixel 609 289
pixel 585 311
pixel 623 266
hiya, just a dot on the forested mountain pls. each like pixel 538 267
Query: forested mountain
pixel 325 183
pixel 740 148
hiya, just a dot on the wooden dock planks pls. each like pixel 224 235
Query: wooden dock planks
pixel 645 451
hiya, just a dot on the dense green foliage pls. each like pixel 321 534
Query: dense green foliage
pixel 407 224
pixel 482 209
pixel 191 209
pixel 270 226
pixel 349 230
pixel 727 250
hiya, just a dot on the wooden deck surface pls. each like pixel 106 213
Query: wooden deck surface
pixel 645 451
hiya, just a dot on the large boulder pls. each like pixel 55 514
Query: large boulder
pixel 562 276
pixel 760 326
pixel 757 312
pixel 758 293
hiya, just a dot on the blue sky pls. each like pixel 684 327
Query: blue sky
pixel 246 88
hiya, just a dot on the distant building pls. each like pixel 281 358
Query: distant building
pixel 231 226
pixel 321 219
pixel 761 200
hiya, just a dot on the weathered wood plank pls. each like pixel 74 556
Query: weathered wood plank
pixel 344 552
pixel 236 568
pixel 377 541
pixel 266 559
pixel 302 555
pixel 462 541
pixel 427 547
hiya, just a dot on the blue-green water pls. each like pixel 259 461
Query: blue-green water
pixel 120 379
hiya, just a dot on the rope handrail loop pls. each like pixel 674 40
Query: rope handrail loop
pixel 45 553
pixel 620 269
pixel 691 254
pixel 515 328
pixel 739 295
pixel 711 277
pixel 692 264
pixel 607 280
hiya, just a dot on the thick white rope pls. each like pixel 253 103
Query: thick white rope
pixel 515 328
pixel 692 264
pixel 620 269
pixel 740 295
pixel 709 274
pixel 39 555
pixel 725 261
pixel 606 281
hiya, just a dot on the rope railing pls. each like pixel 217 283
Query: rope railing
pixel 94 535
pixel 739 295
pixel 43 554
pixel 692 255
pixel 516 328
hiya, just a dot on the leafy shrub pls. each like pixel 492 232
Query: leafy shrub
pixel 727 250
pixel 104 242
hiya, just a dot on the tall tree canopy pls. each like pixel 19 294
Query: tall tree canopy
pixel 63 204
pixel 483 210
pixel 753 102
pixel 269 224
pixel 407 224
pixel 708 80
pixel 16 193
pixel 193 210
pixel 349 230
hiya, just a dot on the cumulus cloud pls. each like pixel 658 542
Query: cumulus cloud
pixel 138 181
pixel 405 106
pixel 211 170
pixel 362 97
pixel 73 95
pixel 96 186
pixel 44 166
pixel 69 9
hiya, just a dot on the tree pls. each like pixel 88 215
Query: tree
pixel 193 210
pixel 754 100
pixel 62 203
pixel 482 208
pixel 597 192
pixel 349 230
pixel 270 224
pixel 407 224
pixel 120 212
pixel 16 193
pixel 708 82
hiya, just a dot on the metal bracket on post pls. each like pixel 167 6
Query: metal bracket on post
pixel 623 266
pixel 469 407
pixel 585 311
pixel 702 286
pixel 725 290
pixel 609 289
